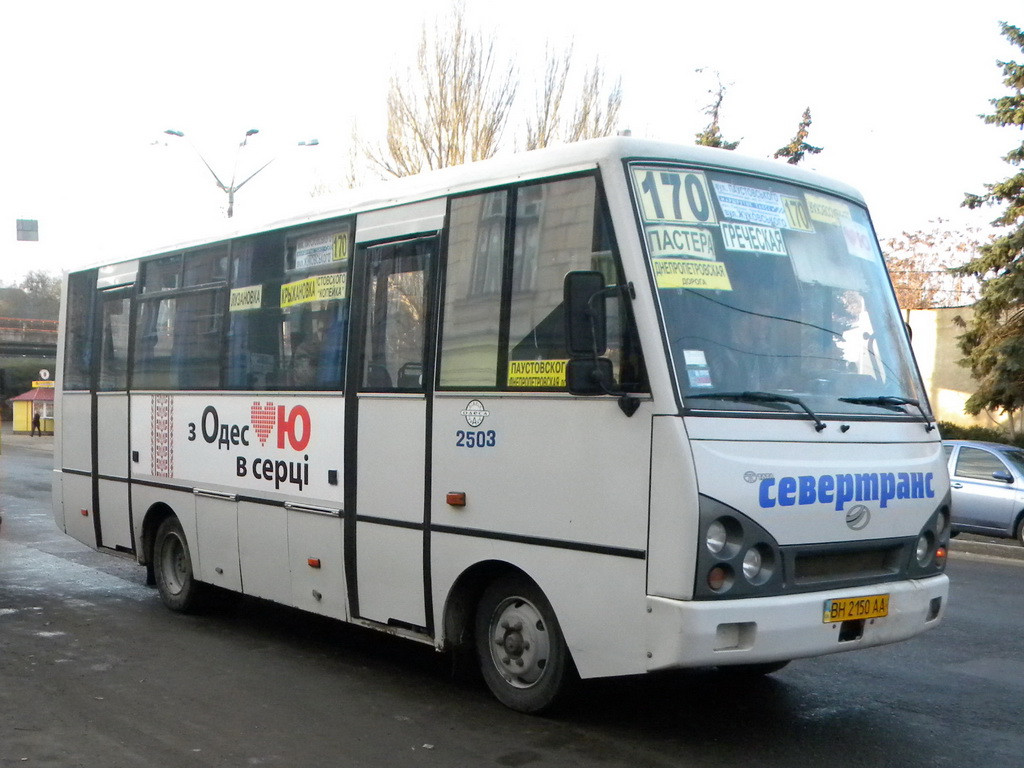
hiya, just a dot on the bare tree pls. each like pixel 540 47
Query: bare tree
pixel 453 108
pixel 544 128
pixel 921 263
pixel 596 114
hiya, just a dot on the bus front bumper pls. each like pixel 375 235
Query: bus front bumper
pixel 691 633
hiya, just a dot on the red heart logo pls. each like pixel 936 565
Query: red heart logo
pixel 264 418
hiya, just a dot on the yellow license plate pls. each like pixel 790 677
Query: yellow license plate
pixel 851 608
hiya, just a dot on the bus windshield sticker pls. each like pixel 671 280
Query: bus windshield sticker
pixel 697 370
pixel 249 297
pixel 858 240
pixel 674 240
pixel 797 216
pixel 536 373
pixel 319 288
pixel 756 206
pixel 321 249
pixel 674 196
pixel 687 273
pixel 826 210
pixel 750 238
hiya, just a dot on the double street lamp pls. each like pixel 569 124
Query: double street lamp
pixel 231 188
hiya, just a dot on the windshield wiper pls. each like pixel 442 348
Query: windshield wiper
pixel 761 397
pixel 892 403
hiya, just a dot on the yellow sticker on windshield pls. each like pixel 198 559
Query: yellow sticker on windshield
pixel 673 196
pixel 688 273
pixel 826 210
pixel 536 373
pixel 796 214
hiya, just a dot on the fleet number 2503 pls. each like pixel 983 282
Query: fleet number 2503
pixel 481 438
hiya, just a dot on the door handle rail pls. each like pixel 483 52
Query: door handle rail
pixel 222 495
pixel 312 509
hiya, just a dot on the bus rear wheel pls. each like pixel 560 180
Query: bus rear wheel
pixel 175 579
pixel 522 653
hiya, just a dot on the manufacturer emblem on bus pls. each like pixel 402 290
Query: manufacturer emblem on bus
pixel 475 413
pixel 858 517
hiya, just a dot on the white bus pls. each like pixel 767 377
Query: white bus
pixel 603 409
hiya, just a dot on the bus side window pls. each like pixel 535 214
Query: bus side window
pixel 81 306
pixel 474 267
pixel 396 315
pixel 519 266
pixel 560 227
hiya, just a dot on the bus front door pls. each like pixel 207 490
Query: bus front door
pixel 386 446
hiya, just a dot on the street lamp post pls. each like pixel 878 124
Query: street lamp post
pixel 231 188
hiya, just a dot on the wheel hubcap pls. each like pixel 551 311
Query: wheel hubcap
pixel 520 642
pixel 174 565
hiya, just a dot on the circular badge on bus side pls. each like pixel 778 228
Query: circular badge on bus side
pixel 475 413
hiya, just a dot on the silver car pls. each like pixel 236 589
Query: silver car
pixel 988 488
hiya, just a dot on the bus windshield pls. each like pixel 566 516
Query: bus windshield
pixel 766 287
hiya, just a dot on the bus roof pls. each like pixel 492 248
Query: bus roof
pixel 508 169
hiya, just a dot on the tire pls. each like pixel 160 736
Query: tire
pixel 753 670
pixel 172 566
pixel 522 652
pixel 1020 531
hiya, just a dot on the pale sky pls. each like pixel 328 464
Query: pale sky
pixel 895 89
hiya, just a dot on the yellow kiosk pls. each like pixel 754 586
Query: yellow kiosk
pixel 39 400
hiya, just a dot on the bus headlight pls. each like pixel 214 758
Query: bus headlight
pixel 758 564
pixel 930 549
pixel 723 537
pixel 736 557
pixel 716 537
pixel 752 564
pixel 924 551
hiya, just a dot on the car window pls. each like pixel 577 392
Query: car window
pixel 949 451
pixel 1016 458
pixel 977 463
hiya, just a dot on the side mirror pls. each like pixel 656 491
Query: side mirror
pixel 586 376
pixel 586 321
pixel 1002 474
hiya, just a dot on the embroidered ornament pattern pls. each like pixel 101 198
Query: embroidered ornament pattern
pixel 161 435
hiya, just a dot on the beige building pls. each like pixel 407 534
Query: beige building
pixel 948 384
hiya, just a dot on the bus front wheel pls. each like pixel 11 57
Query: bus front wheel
pixel 175 579
pixel 522 653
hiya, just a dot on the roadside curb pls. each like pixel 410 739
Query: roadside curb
pixel 1004 551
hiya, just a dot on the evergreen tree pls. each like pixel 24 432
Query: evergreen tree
pixel 993 342
pixel 796 149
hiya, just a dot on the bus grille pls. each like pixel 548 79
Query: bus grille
pixel 839 564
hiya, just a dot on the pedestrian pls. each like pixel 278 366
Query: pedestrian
pixel 37 423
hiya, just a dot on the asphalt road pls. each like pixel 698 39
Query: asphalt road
pixel 95 672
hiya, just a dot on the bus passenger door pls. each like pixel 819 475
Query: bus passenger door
pixel 386 422
pixel 110 424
